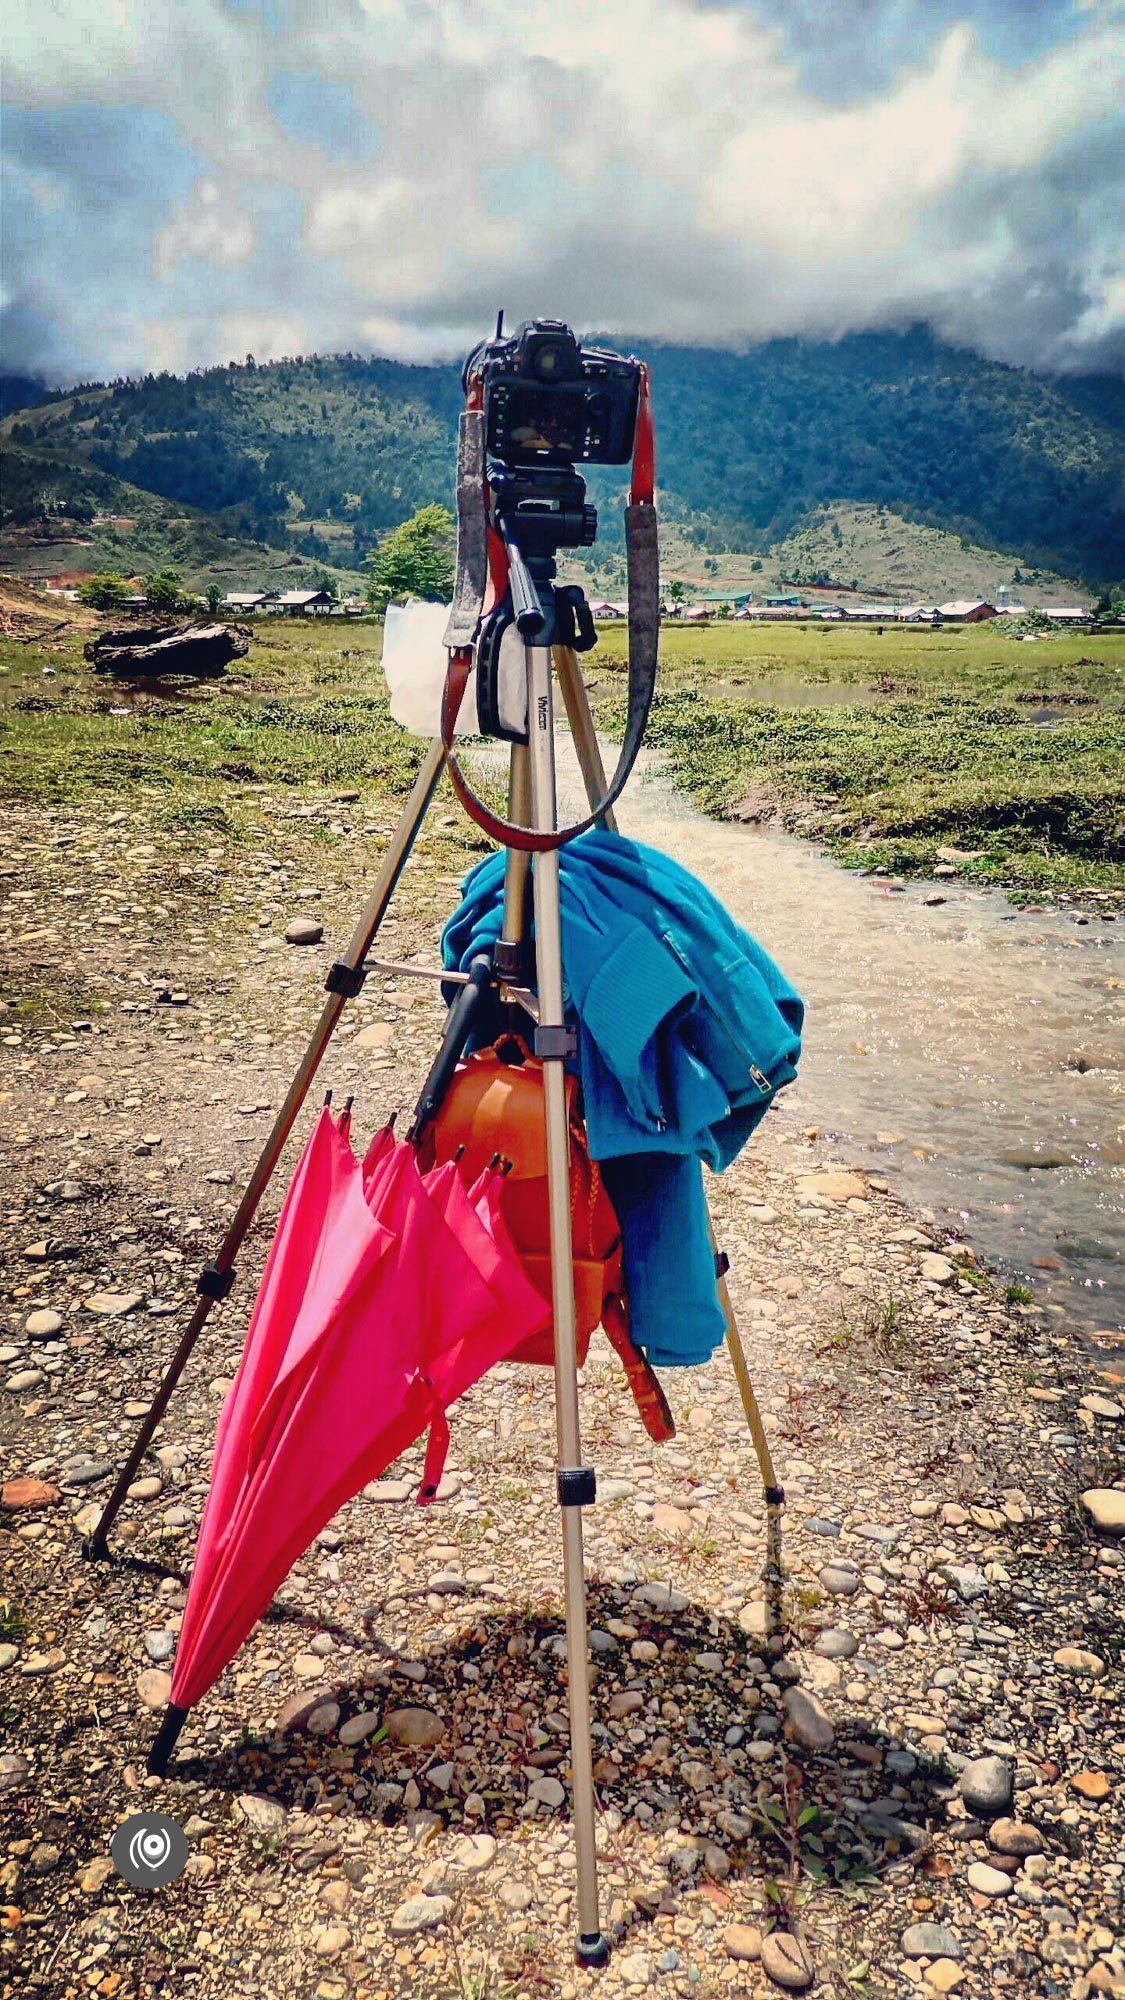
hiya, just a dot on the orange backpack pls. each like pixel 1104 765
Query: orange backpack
pixel 494 1105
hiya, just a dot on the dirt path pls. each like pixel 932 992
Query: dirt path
pixel 946 1599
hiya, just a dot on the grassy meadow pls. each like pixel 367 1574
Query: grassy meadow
pixel 891 749
pixel 894 748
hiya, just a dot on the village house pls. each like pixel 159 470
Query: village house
pixel 965 611
pixel 248 600
pixel 304 603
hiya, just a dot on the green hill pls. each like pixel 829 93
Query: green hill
pixel 321 455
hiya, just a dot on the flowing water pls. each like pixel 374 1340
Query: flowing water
pixel 971 1053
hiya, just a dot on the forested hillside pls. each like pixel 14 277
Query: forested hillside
pixel 324 454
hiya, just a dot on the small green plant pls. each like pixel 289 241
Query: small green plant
pixel 1019 1295
pixel 12 1626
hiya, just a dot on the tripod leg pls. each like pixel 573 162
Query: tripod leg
pixel 344 981
pixel 593 774
pixel 575 1482
pixel 582 729
pixel 774 1493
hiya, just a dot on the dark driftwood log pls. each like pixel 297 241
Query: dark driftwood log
pixel 168 649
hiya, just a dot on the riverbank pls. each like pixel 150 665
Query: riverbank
pixel 934 1727
pixel 966 751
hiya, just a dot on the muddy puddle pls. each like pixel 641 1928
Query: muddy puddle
pixel 972 1053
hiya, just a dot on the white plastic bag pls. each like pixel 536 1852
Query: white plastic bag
pixel 415 661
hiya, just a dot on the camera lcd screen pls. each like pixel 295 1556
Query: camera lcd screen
pixel 553 421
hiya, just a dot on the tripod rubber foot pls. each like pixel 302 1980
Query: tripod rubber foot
pixel 592 1950
pixel 165 1740
pixel 95 1548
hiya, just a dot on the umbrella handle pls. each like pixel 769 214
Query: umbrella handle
pixel 458 1029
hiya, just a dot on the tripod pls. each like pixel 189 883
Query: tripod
pixel 532 800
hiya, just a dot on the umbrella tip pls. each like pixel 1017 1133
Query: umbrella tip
pixel 391 1121
pixel 327 1099
pixel 494 1162
pixel 459 1154
pixel 348 1102
pixel 506 1166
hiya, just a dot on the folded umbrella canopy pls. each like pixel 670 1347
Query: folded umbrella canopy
pixel 384 1298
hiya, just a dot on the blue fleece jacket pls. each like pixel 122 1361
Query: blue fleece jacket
pixel 686 1031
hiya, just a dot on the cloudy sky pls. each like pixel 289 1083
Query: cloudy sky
pixel 190 180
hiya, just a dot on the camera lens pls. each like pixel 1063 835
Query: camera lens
pixel 548 360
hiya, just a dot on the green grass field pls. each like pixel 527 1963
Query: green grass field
pixel 889 749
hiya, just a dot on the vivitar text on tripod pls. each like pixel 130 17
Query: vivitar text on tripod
pixel 610 1032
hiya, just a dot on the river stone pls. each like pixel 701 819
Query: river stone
pixel 515 1896
pixel 808 1721
pixel 324 1718
pixel 931 1941
pixel 786 1962
pixel 833 1184
pixel 1076 1660
pixel 988 1881
pixel 160 1645
pixel 358 1727
pixel 420 1913
pixel 263 1815
pixel 636 1969
pixel 1014 1836
pixel 154 1687
pixel 294 1712
pixel 473 1852
pixel 17 1493
pixel 418 1728
pixel 937 1269
pixel 1106 1507
pixel 303 930
pixel 742 1941
pixel 987 1786
pixel 837 1644
pixel 547 1791
pixel 13 1770
pixel 838 1581
pixel 42 1324
pixel 1092 1785
pixel 24 1378
pixel 112 1305
pixel 754 1619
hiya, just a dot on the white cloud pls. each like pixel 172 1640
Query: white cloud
pixel 660 166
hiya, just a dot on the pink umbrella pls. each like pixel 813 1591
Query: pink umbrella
pixel 367 1326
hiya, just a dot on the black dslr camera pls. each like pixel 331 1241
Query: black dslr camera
pixel 549 401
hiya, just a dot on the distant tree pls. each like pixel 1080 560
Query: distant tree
pixel 414 560
pixel 330 588
pixel 106 591
pixel 213 596
pixel 164 590
pixel 677 591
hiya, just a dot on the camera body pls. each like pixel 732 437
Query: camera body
pixel 548 401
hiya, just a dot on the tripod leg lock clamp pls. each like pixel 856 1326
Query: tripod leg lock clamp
pixel 509 960
pixel 556 1044
pixel 346 979
pixel 215 1280
pixel 722 1263
pixel 577 1485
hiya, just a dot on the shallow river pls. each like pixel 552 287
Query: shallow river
pixel 941 1042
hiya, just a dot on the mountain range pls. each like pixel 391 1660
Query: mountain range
pixel 312 459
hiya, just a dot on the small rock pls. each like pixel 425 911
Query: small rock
pixel 547 1791
pixel 837 1644
pixel 673 1521
pixel 324 1718
pixel 19 1493
pixel 148 1488
pixel 988 1881
pixel 1014 1836
pixel 636 1969
pixel 416 1727
pixel 937 1270
pixel 112 1305
pixel 13 1770
pixel 24 1378
pixel 944 1975
pixel 49 1662
pixel 626 1702
pixel 515 1896
pixel 931 1941
pixel 754 1619
pixel 1093 1785
pixel 786 1962
pixel 838 1581
pixel 833 1185
pixel 1076 1660
pixel 264 1816
pixel 1106 1507
pixel 808 1721
pixel 742 1941
pixel 303 930
pixel 358 1728
pixel 42 1325
pixel 96 1875
pixel 331 1939
pixel 154 1687
pixel 420 1913
pixel 160 1645
pixel 473 1852
pixel 987 1787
